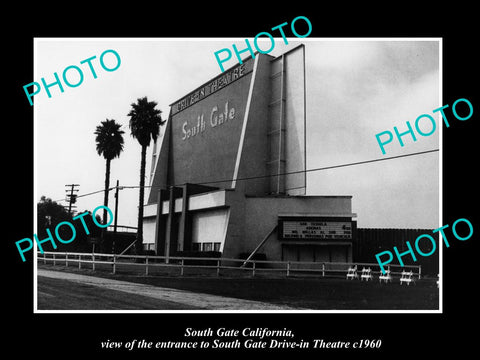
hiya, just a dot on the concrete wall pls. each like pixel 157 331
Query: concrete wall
pixel 254 150
pixel 149 230
pixel 149 224
pixel 210 226
pixel 241 222
pixel 287 122
pixel 234 240
pixel 295 121
pixel 261 213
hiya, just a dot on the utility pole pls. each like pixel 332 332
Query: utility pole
pixel 71 198
pixel 115 218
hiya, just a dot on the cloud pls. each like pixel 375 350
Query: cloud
pixel 347 107
pixel 348 103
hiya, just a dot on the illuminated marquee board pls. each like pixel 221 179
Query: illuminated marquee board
pixel 315 229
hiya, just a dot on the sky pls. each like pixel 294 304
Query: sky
pixel 355 89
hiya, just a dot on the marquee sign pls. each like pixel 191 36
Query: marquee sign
pixel 216 84
pixel 314 229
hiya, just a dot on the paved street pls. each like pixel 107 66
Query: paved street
pixel 75 291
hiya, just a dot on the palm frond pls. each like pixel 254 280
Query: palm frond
pixel 145 121
pixel 109 139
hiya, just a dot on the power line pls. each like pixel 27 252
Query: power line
pixel 95 192
pixel 281 174
pixel 323 168
pixel 91 193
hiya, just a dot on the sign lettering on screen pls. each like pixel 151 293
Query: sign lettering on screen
pixel 215 85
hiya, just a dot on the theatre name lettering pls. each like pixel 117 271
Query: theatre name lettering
pixel 217 117
pixel 220 113
pixel 317 230
pixel 213 86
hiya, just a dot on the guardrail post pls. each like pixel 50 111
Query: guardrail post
pixel 114 263
pixel 66 259
pixel 419 272
pixel 54 263
pixel 44 259
pixel 323 269
pixel 93 261
pixel 79 261
pixel 181 267
pixel 288 268
pixel 218 267
pixel 146 265
pixel 253 269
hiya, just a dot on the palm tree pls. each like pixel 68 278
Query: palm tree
pixel 145 122
pixel 109 141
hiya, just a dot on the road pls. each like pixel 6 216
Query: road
pixel 59 290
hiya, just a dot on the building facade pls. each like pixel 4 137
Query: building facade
pixel 229 173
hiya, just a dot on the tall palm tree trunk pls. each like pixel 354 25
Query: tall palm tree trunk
pixel 105 202
pixel 107 185
pixel 139 243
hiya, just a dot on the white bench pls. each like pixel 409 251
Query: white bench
pixel 385 277
pixel 352 273
pixel 366 274
pixel 407 277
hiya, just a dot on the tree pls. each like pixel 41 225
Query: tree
pixel 50 214
pixel 145 122
pixel 109 141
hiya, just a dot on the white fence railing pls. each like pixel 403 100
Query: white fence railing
pixel 151 265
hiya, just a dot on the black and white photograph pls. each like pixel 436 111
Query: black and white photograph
pixel 267 176
pixel 244 182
